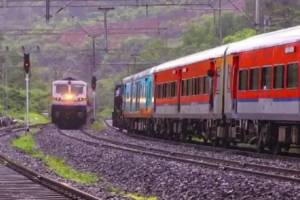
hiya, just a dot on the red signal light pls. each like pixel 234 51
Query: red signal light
pixel 94 82
pixel 26 62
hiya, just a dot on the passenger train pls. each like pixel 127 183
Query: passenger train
pixel 243 92
pixel 69 103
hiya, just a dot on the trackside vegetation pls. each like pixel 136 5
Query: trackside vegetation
pixel 27 144
pixel 131 195
pixel 98 126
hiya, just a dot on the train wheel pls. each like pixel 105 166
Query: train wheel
pixel 274 145
pixel 259 146
pixel 215 142
pixel 262 137
pixel 275 148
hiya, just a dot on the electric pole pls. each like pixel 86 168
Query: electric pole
pixel 5 86
pixel 3 83
pixel 94 55
pixel 220 23
pixel 4 77
pixel 257 15
pixel 48 14
pixel 106 10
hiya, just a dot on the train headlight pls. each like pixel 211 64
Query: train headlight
pixel 81 99
pixel 68 97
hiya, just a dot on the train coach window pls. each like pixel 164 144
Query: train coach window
pixel 292 75
pixel 61 88
pixel 158 89
pixel 278 76
pixel 243 79
pixel 188 87
pixel 266 78
pixel 164 94
pixel 183 88
pixel 173 89
pixel 193 86
pixel 196 86
pixel 206 85
pixel 254 76
pixel 201 85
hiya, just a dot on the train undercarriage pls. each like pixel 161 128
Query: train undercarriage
pixel 272 136
pixel 68 116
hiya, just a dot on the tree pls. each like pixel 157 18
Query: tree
pixel 203 36
pixel 240 35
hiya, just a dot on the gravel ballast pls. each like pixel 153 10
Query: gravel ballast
pixel 164 179
pixel 149 176
pixel 110 133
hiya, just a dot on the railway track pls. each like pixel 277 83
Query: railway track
pixel 17 128
pixel 283 174
pixel 19 182
pixel 244 151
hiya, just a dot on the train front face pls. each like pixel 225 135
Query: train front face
pixel 69 103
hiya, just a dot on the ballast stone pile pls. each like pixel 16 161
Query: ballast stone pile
pixel 38 166
pixel 110 133
pixel 156 177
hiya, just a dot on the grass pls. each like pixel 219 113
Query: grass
pixel 136 196
pixel 196 139
pixel 34 118
pixel 98 126
pixel 131 195
pixel 105 113
pixel 27 144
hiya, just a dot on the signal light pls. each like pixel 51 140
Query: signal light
pixel 26 62
pixel 94 82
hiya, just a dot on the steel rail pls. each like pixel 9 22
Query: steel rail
pixel 216 163
pixel 59 187
pixel 17 128
pixel 208 147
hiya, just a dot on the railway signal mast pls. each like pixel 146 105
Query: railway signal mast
pixel 27 70
pixel 94 84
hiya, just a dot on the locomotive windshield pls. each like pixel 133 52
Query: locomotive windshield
pixel 61 88
pixel 77 89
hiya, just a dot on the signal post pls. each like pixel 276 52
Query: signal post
pixel 94 84
pixel 27 70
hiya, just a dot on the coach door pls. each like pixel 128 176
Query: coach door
pixel 179 83
pixel 148 92
pixel 218 84
pixel 234 82
pixel 211 76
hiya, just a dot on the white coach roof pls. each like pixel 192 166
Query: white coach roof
pixel 197 57
pixel 66 81
pixel 139 75
pixel 284 36
pixel 180 62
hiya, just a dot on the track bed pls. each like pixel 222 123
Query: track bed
pixel 16 186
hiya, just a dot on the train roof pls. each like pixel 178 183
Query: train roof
pixel 281 37
pixel 64 81
pixel 284 36
pixel 197 57
pixel 139 75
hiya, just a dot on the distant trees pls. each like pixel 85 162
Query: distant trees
pixel 276 14
pixel 203 35
pixel 240 35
